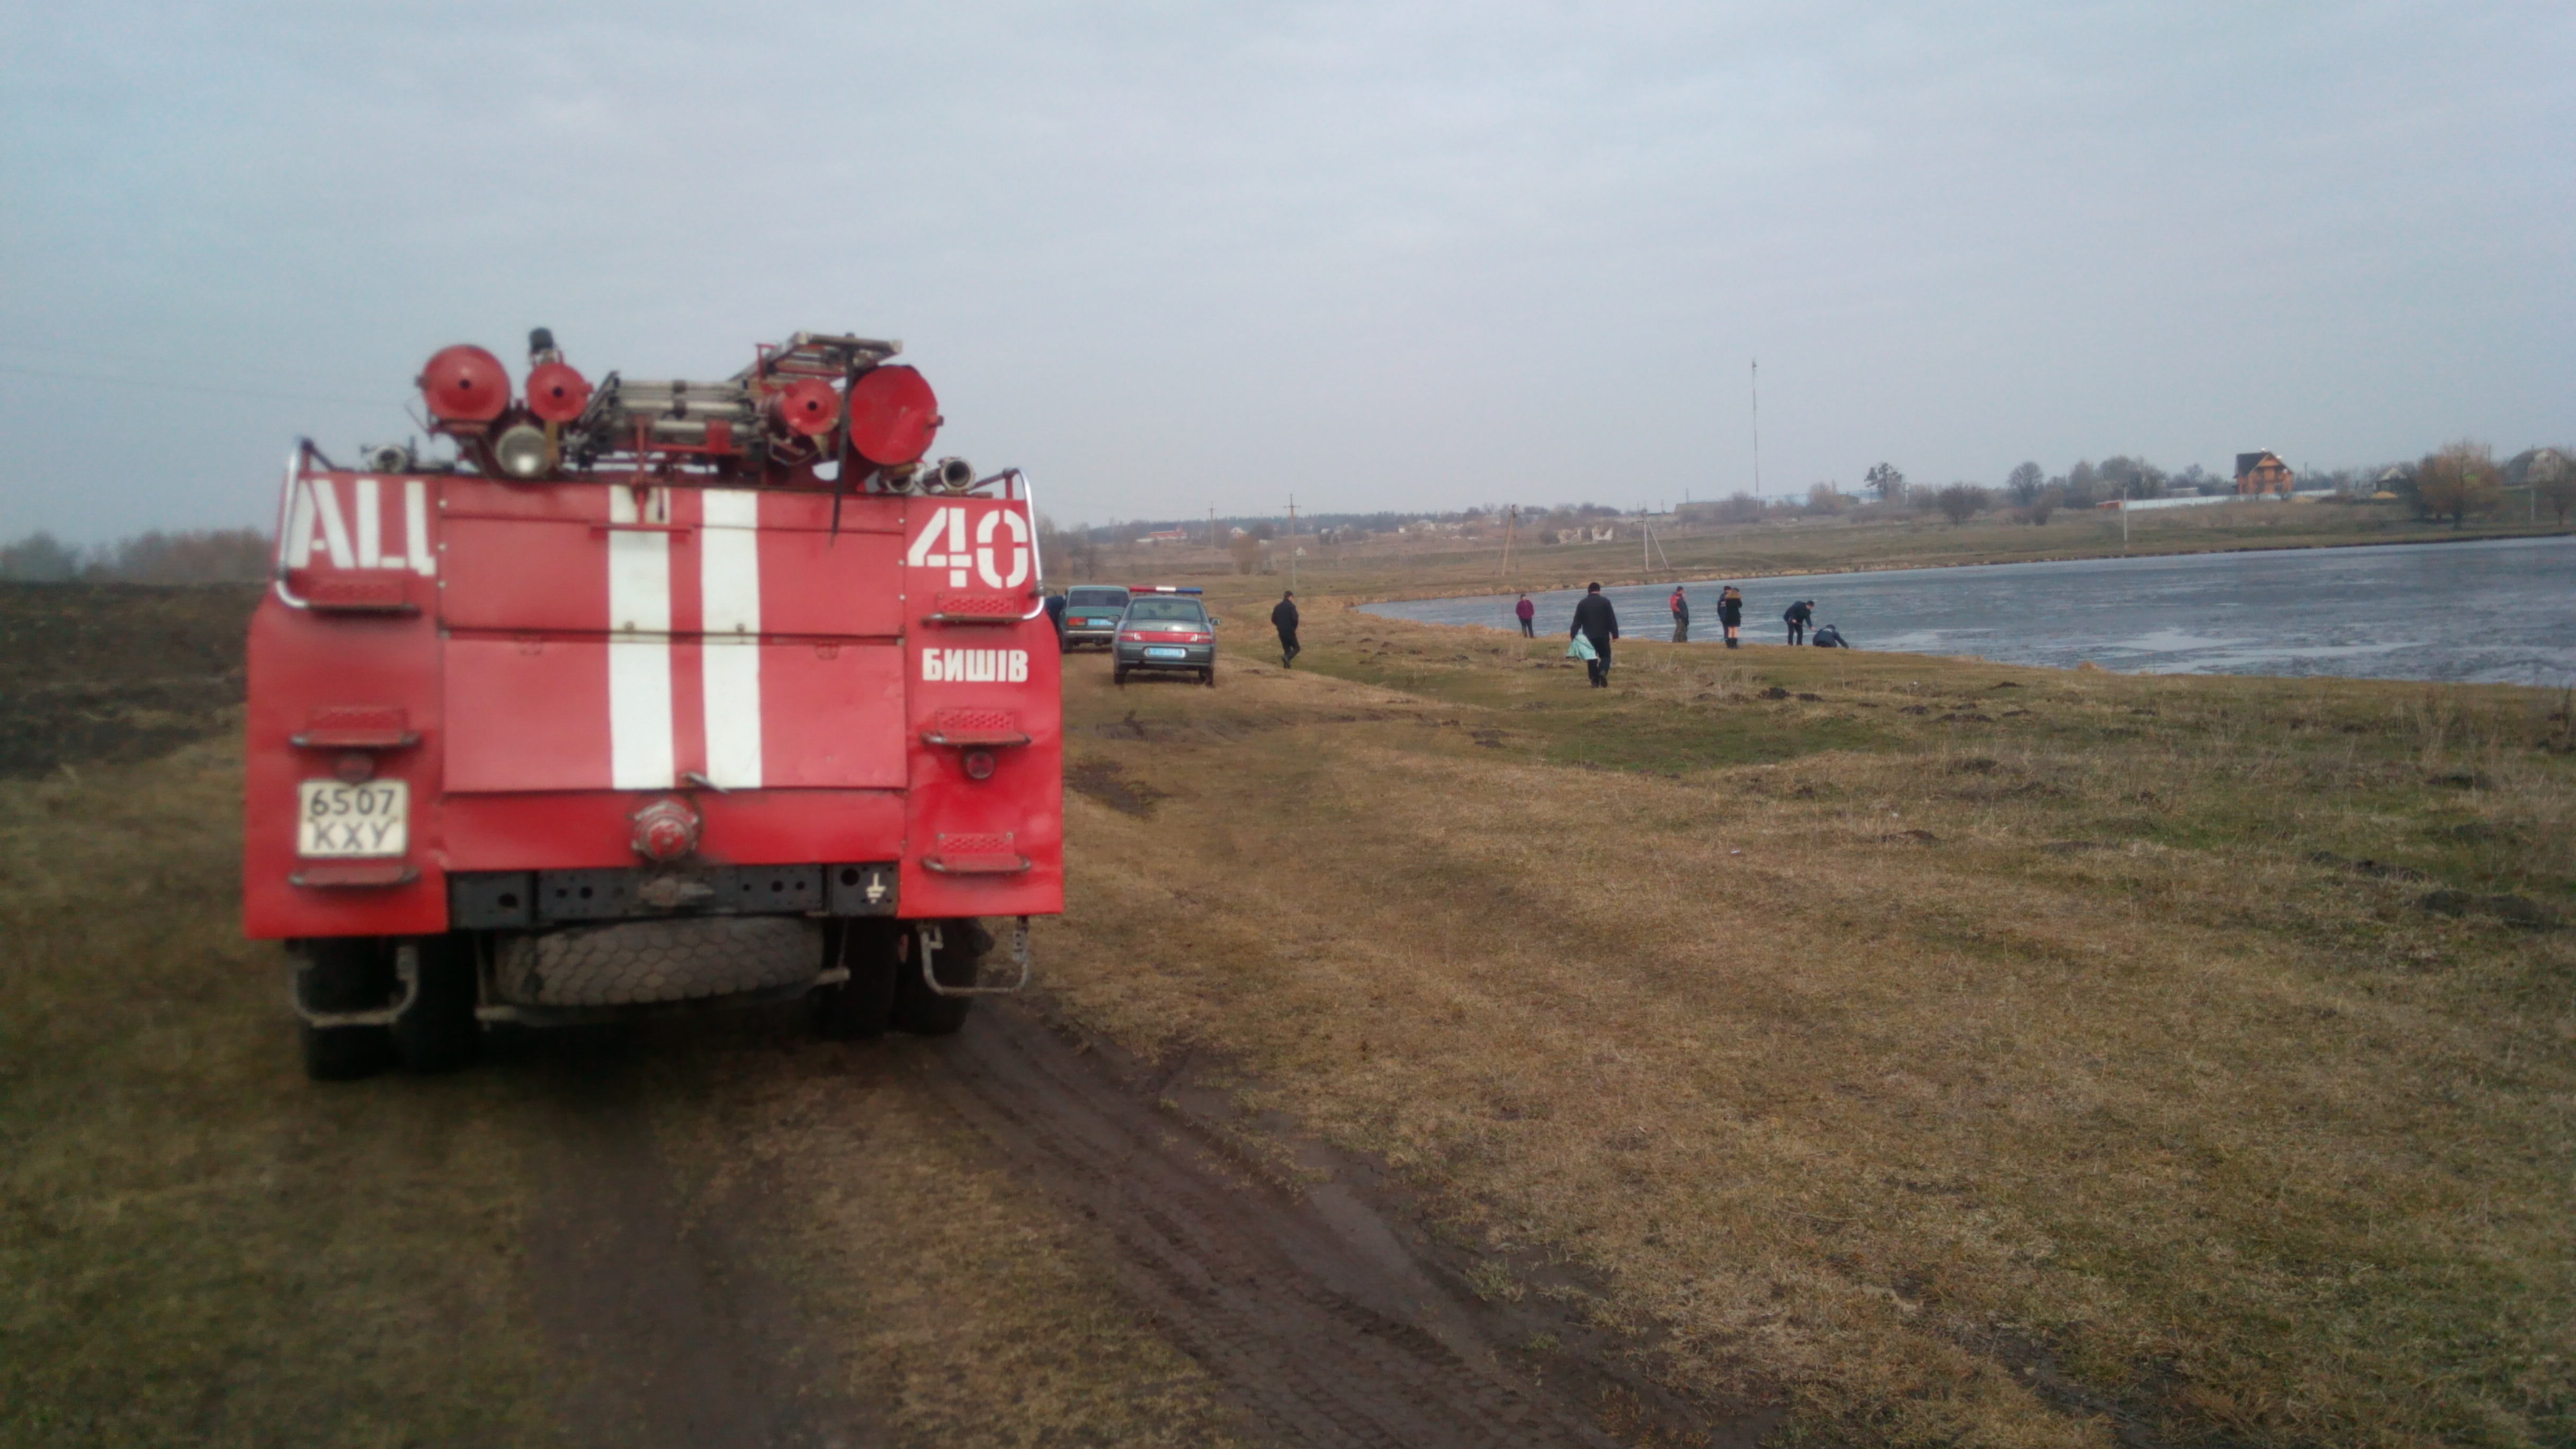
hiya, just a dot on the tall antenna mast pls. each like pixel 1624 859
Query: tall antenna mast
pixel 1757 427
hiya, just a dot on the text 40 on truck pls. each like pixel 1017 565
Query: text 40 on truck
pixel 657 692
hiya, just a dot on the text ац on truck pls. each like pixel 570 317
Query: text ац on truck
pixel 656 692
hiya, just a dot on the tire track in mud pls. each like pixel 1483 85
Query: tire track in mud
pixel 673 1338
pixel 1311 1311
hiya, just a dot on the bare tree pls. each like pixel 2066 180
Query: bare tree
pixel 39 558
pixel 2552 481
pixel 1826 498
pixel 2459 480
pixel 1960 502
pixel 2025 483
pixel 1884 480
pixel 1247 553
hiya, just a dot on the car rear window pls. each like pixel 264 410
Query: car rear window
pixel 1095 598
pixel 1167 611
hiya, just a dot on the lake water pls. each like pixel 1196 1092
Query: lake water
pixel 2496 612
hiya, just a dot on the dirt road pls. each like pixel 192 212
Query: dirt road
pixel 1309 1303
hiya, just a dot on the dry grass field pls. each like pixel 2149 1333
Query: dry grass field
pixel 1923 1050
pixel 1970 1055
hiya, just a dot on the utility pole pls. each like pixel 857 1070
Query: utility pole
pixel 1511 518
pixel 1292 542
pixel 1757 427
pixel 1211 525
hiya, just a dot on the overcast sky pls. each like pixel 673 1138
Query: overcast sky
pixel 1169 257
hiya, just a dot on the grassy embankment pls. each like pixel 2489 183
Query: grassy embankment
pixel 1975 1055
pixel 1828 545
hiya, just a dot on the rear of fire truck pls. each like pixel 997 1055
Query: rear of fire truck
pixel 654 693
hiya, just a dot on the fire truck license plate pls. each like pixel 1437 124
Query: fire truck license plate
pixel 337 818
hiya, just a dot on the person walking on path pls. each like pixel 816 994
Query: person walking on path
pixel 1598 623
pixel 1284 619
pixel 1797 617
pixel 1527 613
pixel 1681 616
pixel 1730 612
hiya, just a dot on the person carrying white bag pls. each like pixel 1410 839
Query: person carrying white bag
pixel 1595 625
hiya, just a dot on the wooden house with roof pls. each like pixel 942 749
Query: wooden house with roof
pixel 2261 473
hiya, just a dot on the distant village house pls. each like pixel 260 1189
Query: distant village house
pixel 2261 473
pixel 1166 535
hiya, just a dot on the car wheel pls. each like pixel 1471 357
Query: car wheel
pixel 438 1032
pixel 1118 674
pixel 924 1012
pixel 860 1008
pixel 1207 676
pixel 344 973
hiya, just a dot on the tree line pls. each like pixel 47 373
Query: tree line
pixel 186 556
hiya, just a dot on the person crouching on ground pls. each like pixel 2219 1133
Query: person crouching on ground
pixel 1797 617
pixel 1598 623
pixel 1681 616
pixel 1527 613
pixel 1284 619
pixel 1730 612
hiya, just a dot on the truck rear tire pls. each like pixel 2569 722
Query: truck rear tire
pixel 344 973
pixel 439 1032
pixel 924 1012
pixel 861 1008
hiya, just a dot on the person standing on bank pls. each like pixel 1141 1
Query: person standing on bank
pixel 1284 619
pixel 1681 616
pixel 1598 623
pixel 1055 616
pixel 1730 612
pixel 1797 617
pixel 1527 613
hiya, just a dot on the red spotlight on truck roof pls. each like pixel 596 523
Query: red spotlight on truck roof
pixel 893 416
pixel 557 392
pixel 810 407
pixel 465 384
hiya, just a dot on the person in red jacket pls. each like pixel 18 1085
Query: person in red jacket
pixel 1681 616
pixel 1527 613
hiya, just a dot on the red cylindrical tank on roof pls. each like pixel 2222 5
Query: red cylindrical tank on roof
pixel 893 416
pixel 557 392
pixel 809 406
pixel 465 384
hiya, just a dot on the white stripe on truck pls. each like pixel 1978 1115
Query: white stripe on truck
pixel 729 592
pixel 639 643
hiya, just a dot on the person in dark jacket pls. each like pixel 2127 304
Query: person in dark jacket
pixel 1597 622
pixel 1284 619
pixel 1527 613
pixel 1055 616
pixel 1797 617
pixel 1730 612
pixel 1681 616
pixel 1830 637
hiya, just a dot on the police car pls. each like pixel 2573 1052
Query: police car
pixel 1165 629
pixel 1091 614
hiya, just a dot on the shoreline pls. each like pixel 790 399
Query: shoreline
pixel 1629 581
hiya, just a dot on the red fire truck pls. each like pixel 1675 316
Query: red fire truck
pixel 656 692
